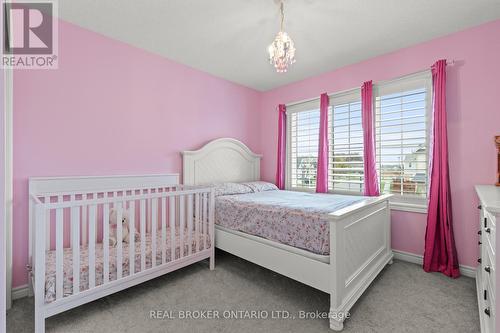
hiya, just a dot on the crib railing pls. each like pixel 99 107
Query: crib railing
pixel 164 225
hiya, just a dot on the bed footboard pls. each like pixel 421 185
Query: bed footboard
pixel 361 238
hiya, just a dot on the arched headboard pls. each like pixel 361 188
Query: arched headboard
pixel 221 160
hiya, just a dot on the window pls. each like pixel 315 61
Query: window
pixel 346 170
pixel 401 115
pixel 303 140
pixel 402 145
pixel 345 138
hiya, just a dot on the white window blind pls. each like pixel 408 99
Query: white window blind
pixel 303 138
pixel 401 127
pixel 346 170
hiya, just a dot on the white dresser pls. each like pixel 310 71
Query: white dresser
pixel 489 205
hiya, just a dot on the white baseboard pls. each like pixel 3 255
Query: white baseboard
pixel 419 260
pixel 20 292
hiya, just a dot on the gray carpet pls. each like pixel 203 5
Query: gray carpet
pixel 402 299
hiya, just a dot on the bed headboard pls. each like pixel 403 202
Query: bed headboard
pixel 221 160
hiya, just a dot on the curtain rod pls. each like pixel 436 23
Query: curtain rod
pixel 448 63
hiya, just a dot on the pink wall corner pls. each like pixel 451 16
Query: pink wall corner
pixel 473 120
pixel 111 108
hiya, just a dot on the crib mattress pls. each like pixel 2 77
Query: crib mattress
pixel 50 275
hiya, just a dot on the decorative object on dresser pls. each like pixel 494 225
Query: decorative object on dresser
pixel 70 259
pixel 359 234
pixel 489 205
pixel 497 141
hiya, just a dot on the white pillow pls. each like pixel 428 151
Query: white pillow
pixel 261 186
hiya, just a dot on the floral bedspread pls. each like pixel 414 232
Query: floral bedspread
pixel 297 219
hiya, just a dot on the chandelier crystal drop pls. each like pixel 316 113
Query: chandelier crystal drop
pixel 282 50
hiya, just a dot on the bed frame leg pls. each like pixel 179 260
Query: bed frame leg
pixel 39 322
pixel 31 292
pixel 212 261
pixel 336 324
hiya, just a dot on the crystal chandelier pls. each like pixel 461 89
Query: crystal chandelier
pixel 281 51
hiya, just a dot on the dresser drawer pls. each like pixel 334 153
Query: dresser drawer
pixel 489 231
pixel 487 308
pixel 488 269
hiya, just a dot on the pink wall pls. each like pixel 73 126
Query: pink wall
pixel 473 120
pixel 114 109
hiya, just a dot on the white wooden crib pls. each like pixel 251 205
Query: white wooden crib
pixel 71 261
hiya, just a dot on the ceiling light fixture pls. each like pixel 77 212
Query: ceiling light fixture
pixel 281 51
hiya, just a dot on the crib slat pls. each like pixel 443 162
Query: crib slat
pixel 197 221
pixel 211 230
pixel 48 226
pixel 95 231
pixel 143 234
pixel 59 253
pixel 119 240
pixel 154 226
pixel 131 242
pixel 72 198
pixel 105 241
pixel 40 226
pixel 75 232
pixel 205 220
pixel 148 213
pixel 163 230
pixel 92 227
pixel 60 198
pixel 171 223
pixel 84 221
pixel 190 223
pixel 181 225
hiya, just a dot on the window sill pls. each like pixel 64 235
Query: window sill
pixel 396 202
pixel 409 207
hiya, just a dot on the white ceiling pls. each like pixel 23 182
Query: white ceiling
pixel 229 38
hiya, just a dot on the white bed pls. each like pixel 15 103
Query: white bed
pixel 360 240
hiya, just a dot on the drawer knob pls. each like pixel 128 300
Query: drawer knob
pixel 479 243
pixel 488 230
pixel 479 260
pixel 479 232
pixel 487 311
pixel 487 269
pixel 479 207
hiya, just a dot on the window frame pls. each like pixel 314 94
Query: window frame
pixel 342 98
pixel 405 83
pixel 308 105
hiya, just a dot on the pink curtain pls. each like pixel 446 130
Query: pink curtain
pixel 371 178
pixel 280 168
pixel 322 169
pixel 440 253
